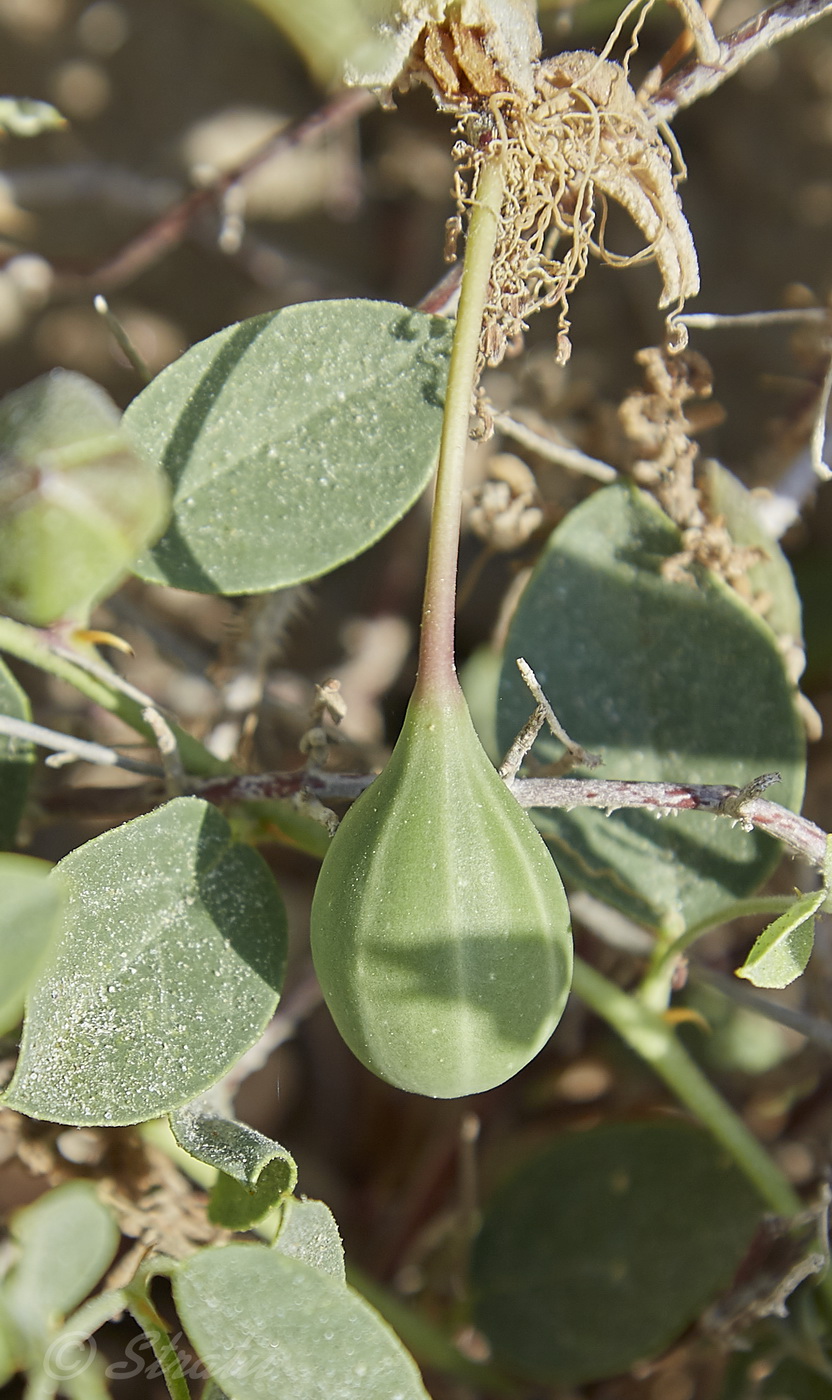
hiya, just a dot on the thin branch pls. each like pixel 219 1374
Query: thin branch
pixel 619 932
pixel 67 744
pixel 154 242
pixel 817 441
pixel 172 765
pixel 40 648
pixel 796 832
pixel 577 753
pixel 558 452
pixel 751 320
pixel 700 29
pixel 800 835
pixel 815 1029
pixel 756 35
pixel 122 339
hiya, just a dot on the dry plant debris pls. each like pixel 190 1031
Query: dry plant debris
pixel 152 1201
pixel 577 138
pixel 658 425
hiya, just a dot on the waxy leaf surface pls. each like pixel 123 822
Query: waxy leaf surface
pixel 309 1232
pixel 254 1172
pixel 292 441
pixel 671 680
pixel 268 1326
pixel 166 969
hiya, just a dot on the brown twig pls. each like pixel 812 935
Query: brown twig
pixel 756 35
pixel 165 232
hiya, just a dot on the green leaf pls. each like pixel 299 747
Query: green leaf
pixel 269 1327
pixel 12 1347
pixel 326 32
pixel 77 503
pixel 782 950
pixel 25 116
pixel 255 1172
pixel 167 968
pixel 667 680
pixel 292 441
pixel 30 910
pixel 599 1251
pixel 309 1233
pixel 16 758
pixel 68 1239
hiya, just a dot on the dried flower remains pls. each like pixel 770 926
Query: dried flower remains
pixel 572 134
pixel 584 139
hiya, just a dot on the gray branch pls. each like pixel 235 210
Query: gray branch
pixel 800 835
pixel 66 746
pixel 757 34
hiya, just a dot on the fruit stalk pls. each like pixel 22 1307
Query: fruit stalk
pixel 436 650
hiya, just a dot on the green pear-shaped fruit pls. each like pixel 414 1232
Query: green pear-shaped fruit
pixel 440 928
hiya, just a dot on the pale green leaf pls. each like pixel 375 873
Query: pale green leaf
pixel 670 680
pixel 269 1327
pixel 67 1240
pixel 12 1347
pixel 255 1173
pixel 30 910
pixel 26 116
pixel 604 1247
pixel 16 758
pixel 77 502
pixel 328 33
pixel 308 1232
pixel 782 950
pixel 167 968
pixel 292 441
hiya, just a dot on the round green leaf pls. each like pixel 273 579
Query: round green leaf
pixel 167 968
pixel 16 758
pixel 77 502
pixel 67 1240
pixel 602 1249
pixel 669 680
pixel 30 909
pixel 292 441
pixel 269 1327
